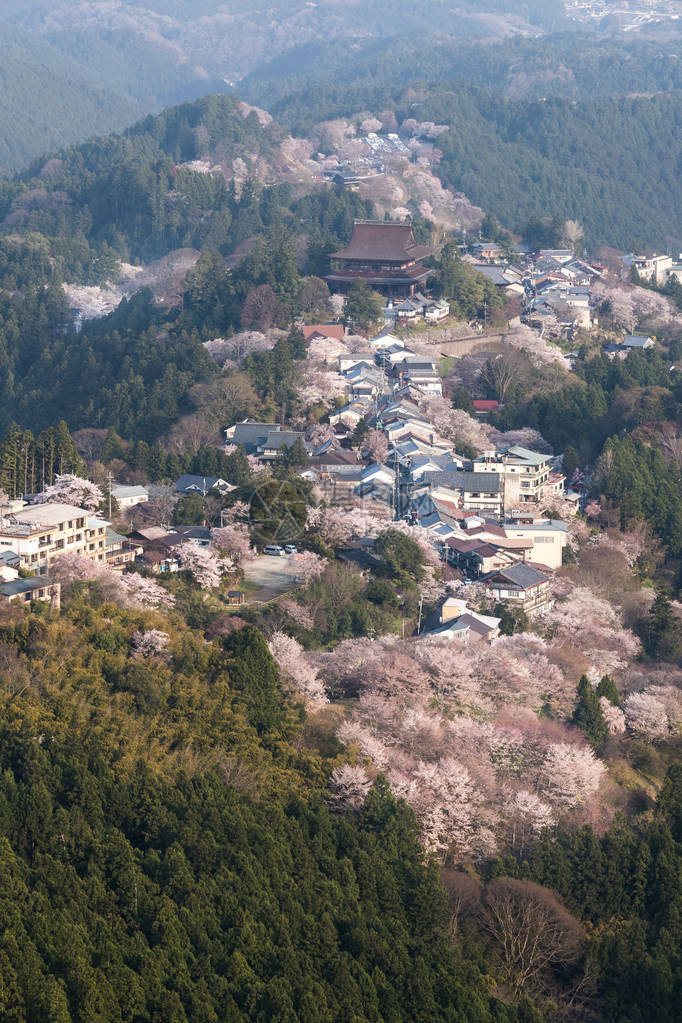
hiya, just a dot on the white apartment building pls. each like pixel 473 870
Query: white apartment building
pixel 525 473
pixel 41 532
pixel 549 537
pixel 654 268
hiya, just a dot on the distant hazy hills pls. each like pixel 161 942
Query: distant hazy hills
pixel 70 69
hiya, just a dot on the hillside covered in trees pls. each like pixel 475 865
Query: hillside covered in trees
pixel 176 846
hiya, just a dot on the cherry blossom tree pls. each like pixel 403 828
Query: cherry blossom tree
pixel 613 716
pixel 306 566
pixel 139 591
pixel 349 787
pixel 239 511
pixel 298 613
pixel 128 590
pixel 234 541
pixel 318 434
pixel 69 568
pixel 150 642
pixel 537 348
pixel 529 815
pixel 70 489
pixel 202 564
pixel 671 698
pixel 570 774
pixel 376 445
pixel 646 716
pixel 455 424
pixel 526 438
pixel 353 734
pixel 370 124
pixel 240 345
pixel 338 525
pixel 603 640
pixel 288 655
pixel 319 385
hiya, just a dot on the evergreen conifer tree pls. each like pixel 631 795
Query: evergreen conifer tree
pixel 588 714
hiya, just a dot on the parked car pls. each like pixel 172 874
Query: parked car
pixel 290 548
pixel 275 550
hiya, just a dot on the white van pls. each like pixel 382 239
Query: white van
pixel 274 550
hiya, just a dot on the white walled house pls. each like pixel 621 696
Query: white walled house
pixel 42 532
pixel 128 497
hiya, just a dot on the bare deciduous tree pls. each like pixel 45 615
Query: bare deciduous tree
pixel 261 309
pixel 501 373
pixel 532 928
pixel 191 433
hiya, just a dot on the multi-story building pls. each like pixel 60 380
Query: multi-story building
pixel 385 255
pixel 525 474
pixel 481 492
pixel 41 532
pixel 522 586
pixel 653 268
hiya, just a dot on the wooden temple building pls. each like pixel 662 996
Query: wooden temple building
pixel 384 254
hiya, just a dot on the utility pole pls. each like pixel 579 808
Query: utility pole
pixel 419 620
pixel 396 470
pixel 110 481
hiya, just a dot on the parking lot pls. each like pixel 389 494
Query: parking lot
pixel 267 577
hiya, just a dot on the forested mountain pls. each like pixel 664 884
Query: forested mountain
pixel 191 871
pixel 129 197
pixel 89 68
pixel 577 65
pixel 610 163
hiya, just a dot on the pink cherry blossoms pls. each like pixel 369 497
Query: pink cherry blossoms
pixel 288 655
pixel 203 565
pixel 70 489
pixel 613 716
pixel 127 590
pixel 150 643
pixel 306 566
pixel 234 541
pixel 349 787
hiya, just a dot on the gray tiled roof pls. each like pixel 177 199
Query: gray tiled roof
pixel 523 576
pixel 479 482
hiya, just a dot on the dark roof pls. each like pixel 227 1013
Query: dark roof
pixel 636 341
pixel 495 274
pixel 23 586
pixel 194 532
pixel 353 556
pixel 487 550
pixel 172 539
pixel 251 434
pixel 276 438
pixel 480 628
pixel 377 240
pixel 520 575
pixel 485 405
pixel 335 458
pixel 200 484
pixel 478 482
